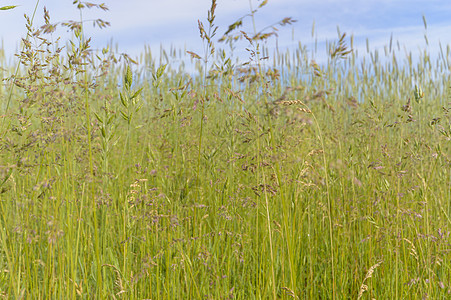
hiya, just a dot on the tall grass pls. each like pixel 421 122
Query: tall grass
pixel 254 180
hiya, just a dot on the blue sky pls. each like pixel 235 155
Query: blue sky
pixel 136 23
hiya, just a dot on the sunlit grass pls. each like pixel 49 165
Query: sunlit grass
pixel 290 179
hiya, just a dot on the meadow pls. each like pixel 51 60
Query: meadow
pixel 273 178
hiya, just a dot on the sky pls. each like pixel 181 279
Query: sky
pixel 154 23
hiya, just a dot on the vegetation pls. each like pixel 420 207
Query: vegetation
pixel 256 180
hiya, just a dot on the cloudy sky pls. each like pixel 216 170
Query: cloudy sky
pixel 136 23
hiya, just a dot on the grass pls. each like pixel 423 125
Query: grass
pixel 287 180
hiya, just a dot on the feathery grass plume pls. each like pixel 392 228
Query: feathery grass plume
pixel 413 250
pixel 341 49
pixel 119 281
pixel 45 83
pixel 369 274
pixel 209 50
pixel 316 69
pixel 290 102
pixel 73 25
pixel 207 36
pixel 130 99
pixel 262 35
pixel 29 22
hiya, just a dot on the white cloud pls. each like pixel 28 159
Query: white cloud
pixel 154 22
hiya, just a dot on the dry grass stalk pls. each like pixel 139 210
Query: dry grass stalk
pixel 368 275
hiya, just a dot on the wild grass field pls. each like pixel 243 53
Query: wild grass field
pixel 276 178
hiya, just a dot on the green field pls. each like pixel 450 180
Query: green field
pixel 280 178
